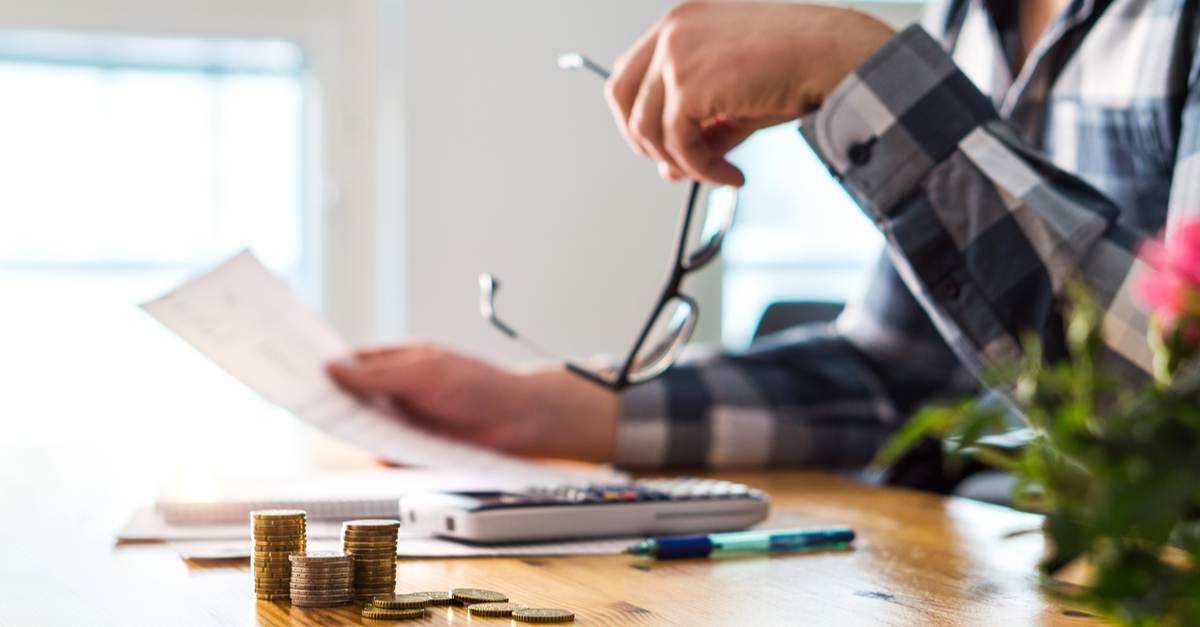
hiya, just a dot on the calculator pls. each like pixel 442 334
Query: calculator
pixel 648 507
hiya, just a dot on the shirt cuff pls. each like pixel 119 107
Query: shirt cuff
pixel 894 118
pixel 644 431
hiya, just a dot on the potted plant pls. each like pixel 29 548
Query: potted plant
pixel 1114 468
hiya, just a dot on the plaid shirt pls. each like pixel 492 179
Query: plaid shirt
pixel 993 190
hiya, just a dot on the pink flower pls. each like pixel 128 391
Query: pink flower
pixel 1172 290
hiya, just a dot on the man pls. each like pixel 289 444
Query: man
pixel 991 202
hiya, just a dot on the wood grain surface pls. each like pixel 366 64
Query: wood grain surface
pixel 919 559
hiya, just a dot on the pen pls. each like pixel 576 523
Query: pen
pixel 760 541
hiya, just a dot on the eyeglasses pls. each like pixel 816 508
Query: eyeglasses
pixel 673 319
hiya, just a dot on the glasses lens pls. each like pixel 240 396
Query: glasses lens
pixel 668 333
pixel 712 217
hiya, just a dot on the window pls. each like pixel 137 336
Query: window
pixel 797 237
pixel 126 165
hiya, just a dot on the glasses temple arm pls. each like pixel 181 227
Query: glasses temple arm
pixel 488 286
pixel 575 61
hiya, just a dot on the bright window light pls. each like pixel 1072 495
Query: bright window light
pixel 797 236
pixel 128 164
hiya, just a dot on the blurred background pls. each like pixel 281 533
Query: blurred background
pixel 379 155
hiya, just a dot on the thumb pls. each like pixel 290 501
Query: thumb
pixel 684 139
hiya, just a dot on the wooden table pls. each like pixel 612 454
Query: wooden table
pixel 919 560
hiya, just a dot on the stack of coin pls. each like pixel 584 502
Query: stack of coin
pixel 277 534
pixel 373 544
pixel 322 578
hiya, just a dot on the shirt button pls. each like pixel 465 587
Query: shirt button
pixel 948 287
pixel 860 153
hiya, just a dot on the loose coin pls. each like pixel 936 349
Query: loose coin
pixel 392 614
pixel 398 601
pixel 495 609
pixel 438 598
pixel 470 596
pixel 543 615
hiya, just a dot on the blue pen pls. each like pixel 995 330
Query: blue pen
pixel 768 540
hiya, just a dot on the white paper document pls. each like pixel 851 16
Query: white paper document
pixel 251 324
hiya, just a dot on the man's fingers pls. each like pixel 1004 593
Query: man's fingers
pixel 683 139
pixel 622 87
pixel 645 120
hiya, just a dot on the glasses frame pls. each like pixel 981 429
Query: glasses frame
pixel 682 264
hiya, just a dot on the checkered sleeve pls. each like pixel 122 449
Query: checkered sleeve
pixel 823 395
pixel 984 231
pixel 982 234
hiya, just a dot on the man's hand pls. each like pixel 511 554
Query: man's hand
pixel 547 412
pixel 710 74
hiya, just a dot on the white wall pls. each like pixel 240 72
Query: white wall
pixel 445 141
pixel 516 168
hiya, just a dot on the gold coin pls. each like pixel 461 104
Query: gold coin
pixel 276 514
pixel 471 596
pixel 271 580
pixel 392 614
pixel 437 598
pixel 323 583
pixel 278 526
pixel 323 557
pixel 373 523
pixel 322 592
pixel 267 596
pixel 265 544
pixel 340 599
pixel 374 590
pixel 279 521
pixel 376 532
pixel 328 601
pixel 390 584
pixel 322 572
pixel 330 576
pixel 543 615
pixel 375 572
pixel 259 536
pixel 374 568
pixel 397 601
pixel 369 542
pixel 495 609
pixel 369 545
